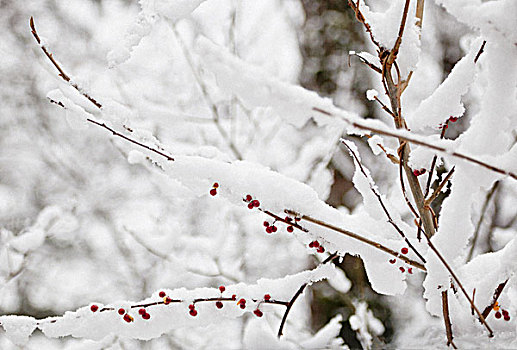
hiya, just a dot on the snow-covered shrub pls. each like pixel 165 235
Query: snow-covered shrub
pixel 209 227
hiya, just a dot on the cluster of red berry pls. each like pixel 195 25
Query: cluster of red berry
pixel 446 125
pixel 252 203
pixel 317 245
pixel 213 191
pixel 402 268
pixel 504 313
pixel 418 172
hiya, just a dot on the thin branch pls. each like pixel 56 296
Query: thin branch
pixel 433 163
pixel 439 188
pixel 365 61
pixel 481 219
pixel 384 107
pixel 447 319
pixel 62 74
pixel 206 95
pixel 481 50
pixel 359 16
pixel 497 293
pixel 456 279
pixel 425 144
pixel 394 52
pixel 401 179
pixel 296 295
pixel 359 238
pixel 381 202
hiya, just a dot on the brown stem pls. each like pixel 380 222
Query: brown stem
pixel 447 319
pixel 497 293
pixel 425 144
pixel 62 74
pixel 481 50
pixel 439 188
pixel 296 295
pixel 481 218
pixel 359 238
pixel 456 279
pixel 381 202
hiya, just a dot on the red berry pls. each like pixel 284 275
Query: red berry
pixel 256 203
pixel 234 297
pixel 506 317
pixel 497 315
pixel 290 229
pixel 241 301
pixel 402 269
pixel 250 206
pixel 258 313
pixel 311 245
pixel 193 313
pixel 416 172
pixel 410 270
pixel 316 244
pixel 453 119
pixel 269 229
pixel 128 318
pixel 215 185
pixel 121 311
pixel 320 249
pixel 167 301
pixel 192 306
pixel 146 316
pixel 213 192
pixel 222 289
pixel 248 198
pixel 273 228
pixel 267 297
pixel 404 250
pixel 243 305
pixel 288 219
pixel 161 294
pixel 505 312
pixel 266 224
pixel 142 311
pixel 219 304
pixel 392 261
pixel 94 308
pixel 297 219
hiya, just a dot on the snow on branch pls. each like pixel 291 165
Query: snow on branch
pixel 166 310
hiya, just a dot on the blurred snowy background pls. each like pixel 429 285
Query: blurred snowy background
pixel 79 224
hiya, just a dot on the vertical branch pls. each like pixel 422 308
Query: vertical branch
pixel 447 320
pixel 481 218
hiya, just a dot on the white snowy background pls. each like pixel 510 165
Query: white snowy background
pixel 87 218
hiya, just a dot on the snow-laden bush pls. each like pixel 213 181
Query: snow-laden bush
pixel 230 172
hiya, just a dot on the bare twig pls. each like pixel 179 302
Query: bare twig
pixel 384 107
pixel 433 163
pixel 296 295
pixel 381 202
pixel 359 16
pixel 456 279
pixel 359 238
pixel 394 52
pixel 497 293
pixel 438 189
pixel 447 320
pixel 365 61
pixel 62 74
pixel 400 152
pixel 481 218
pixel 481 50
